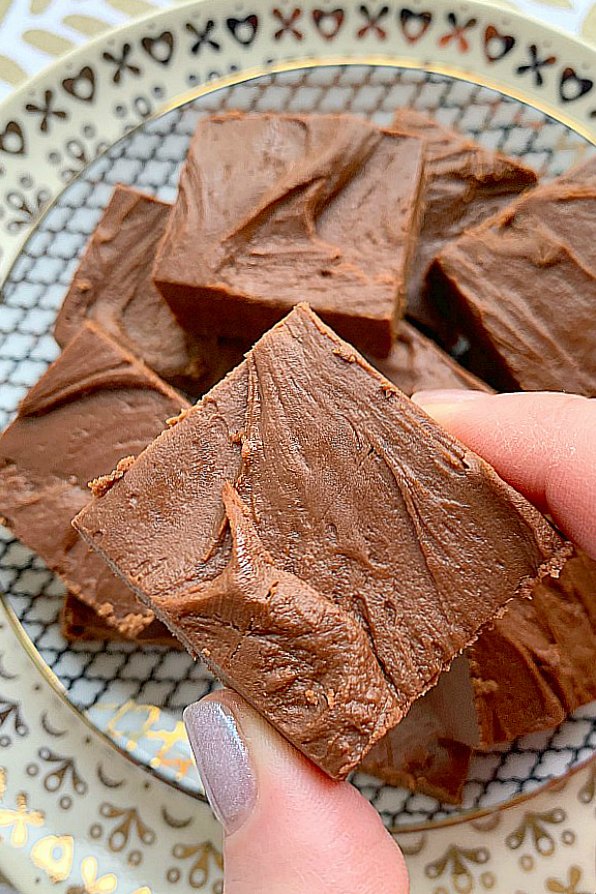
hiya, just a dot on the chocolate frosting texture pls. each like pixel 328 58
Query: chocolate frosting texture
pixel 352 490
pixel 524 283
pixel 95 404
pixel 288 649
pixel 321 208
pixel 113 287
pixel 464 184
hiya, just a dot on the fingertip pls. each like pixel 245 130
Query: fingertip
pixel 541 443
pixel 445 404
pixel 440 396
pixel 289 828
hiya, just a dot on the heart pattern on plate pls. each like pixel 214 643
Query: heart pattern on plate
pixel 414 25
pixel 328 22
pixel 497 45
pixel 82 85
pixel 12 139
pixel 572 86
pixel 160 48
pixel 244 30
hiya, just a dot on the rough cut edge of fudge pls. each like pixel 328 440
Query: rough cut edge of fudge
pixel 31 477
pixel 207 611
pixel 417 363
pixel 538 662
pixel 430 750
pixel 524 674
pixel 113 287
pixel 522 285
pixel 464 184
pixel 79 622
pixel 415 755
pixel 335 225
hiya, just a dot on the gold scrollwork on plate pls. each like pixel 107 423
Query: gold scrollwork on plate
pixel 130 823
pixel 205 857
pixel 64 772
pixel 456 863
pixel 574 877
pixel 533 828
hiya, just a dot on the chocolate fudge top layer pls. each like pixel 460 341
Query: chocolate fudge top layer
pixel 94 405
pixel 524 285
pixel 277 209
pixel 362 537
pixel 416 363
pixel 464 184
pixel 113 287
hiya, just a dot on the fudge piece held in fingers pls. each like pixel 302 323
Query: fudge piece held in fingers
pixel 306 519
pixel 528 670
pixel 113 287
pixel 94 405
pixel 523 285
pixel 321 208
pixel 464 184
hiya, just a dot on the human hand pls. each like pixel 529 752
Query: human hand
pixel 290 829
pixel 542 443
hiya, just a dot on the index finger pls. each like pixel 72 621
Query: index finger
pixel 542 443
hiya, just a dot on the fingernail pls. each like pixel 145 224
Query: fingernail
pixel 222 760
pixel 446 396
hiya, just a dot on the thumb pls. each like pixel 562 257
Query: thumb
pixel 288 828
pixel 542 443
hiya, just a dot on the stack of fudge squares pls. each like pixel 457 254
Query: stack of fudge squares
pixel 364 580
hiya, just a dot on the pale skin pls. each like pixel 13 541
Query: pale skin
pixel 303 833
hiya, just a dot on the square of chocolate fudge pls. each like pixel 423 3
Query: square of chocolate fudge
pixel 94 405
pixel 464 184
pixel 319 540
pixel 113 287
pixel 523 285
pixel 277 209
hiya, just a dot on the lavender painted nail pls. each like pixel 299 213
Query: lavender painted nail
pixel 222 760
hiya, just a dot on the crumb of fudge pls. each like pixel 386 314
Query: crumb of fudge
pixel 101 485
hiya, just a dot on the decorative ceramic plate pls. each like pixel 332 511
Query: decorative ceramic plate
pixel 86 729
